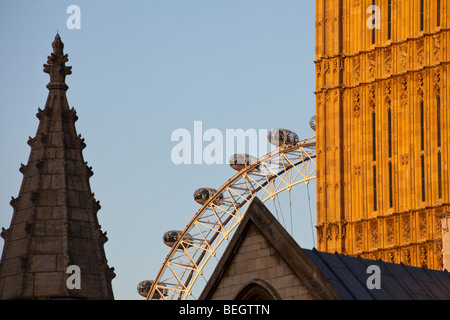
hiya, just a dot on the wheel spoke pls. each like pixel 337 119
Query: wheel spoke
pixel 272 174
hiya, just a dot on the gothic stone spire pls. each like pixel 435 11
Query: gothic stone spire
pixel 54 223
pixel 56 66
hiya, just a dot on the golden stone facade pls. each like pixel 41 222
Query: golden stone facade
pixel 383 128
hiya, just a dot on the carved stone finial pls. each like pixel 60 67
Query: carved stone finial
pixel 14 202
pixel 56 66
pixel 110 274
pixel 5 233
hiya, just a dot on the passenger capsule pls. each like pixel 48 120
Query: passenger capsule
pixel 312 123
pixel 241 161
pixel 172 237
pixel 143 288
pixel 280 137
pixel 204 194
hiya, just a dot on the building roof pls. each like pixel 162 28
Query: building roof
pixel 349 275
pixel 333 276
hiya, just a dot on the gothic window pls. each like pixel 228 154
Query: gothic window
pixel 440 174
pixel 390 132
pixel 375 207
pixel 422 166
pixel 422 127
pixel 438 113
pixel 438 18
pixel 389 35
pixel 258 290
pixel 374 137
pixel 374 23
pixel 391 195
pixel 421 14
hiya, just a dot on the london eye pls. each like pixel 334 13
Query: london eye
pixel 222 209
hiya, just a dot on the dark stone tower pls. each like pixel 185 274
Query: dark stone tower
pixel 54 223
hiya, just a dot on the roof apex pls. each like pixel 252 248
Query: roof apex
pixel 301 265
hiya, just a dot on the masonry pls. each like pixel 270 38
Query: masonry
pixel 54 223
pixel 382 114
pixel 263 262
pixel 257 259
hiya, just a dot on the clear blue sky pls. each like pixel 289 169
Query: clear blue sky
pixel 142 69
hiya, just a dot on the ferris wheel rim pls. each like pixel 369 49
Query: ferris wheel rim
pixel 191 278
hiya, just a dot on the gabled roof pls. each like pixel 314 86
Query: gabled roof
pixel 301 265
pixel 333 276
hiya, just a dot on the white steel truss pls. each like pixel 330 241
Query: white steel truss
pixel 273 173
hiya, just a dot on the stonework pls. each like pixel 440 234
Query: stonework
pixel 445 240
pixel 263 262
pixel 54 223
pixel 382 130
pixel 257 259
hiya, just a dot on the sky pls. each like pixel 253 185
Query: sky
pixel 140 71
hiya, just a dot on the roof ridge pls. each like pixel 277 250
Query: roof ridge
pixel 408 270
pixel 404 287
pixel 438 283
pixel 319 255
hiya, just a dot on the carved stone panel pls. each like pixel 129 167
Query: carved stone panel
pixel 373 234
pixel 422 223
pixel 420 58
pixel 390 231
pixel 436 48
pixel 405 229
pixel 388 61
pixel 359 237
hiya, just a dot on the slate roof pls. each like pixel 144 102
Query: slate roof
pixel 334 276
pixel 348 275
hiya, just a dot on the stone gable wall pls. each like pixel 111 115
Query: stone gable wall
pixel 257 259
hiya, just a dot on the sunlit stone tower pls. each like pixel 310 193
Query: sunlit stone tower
pixel 54 223
pixel 383 128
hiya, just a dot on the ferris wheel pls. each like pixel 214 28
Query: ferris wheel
pixel 291 163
